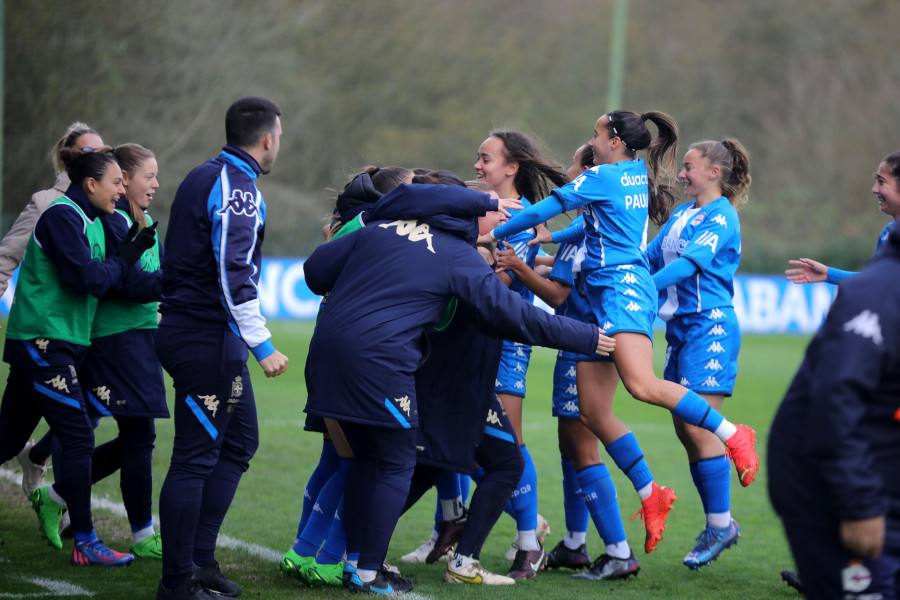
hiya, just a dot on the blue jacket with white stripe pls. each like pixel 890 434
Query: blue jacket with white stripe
pixel 213 251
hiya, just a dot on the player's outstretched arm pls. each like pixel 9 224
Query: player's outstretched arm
pixel 807 271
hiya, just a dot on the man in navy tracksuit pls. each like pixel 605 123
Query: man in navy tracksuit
pixel 388 282
pixel 834 446
pixel 210 322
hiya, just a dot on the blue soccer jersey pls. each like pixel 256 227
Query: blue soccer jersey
pixel 614 198
pixel 710 237
pixel 882 239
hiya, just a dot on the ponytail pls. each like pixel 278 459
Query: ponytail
pixel 629 127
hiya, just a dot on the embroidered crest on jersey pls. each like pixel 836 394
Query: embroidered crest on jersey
pixel 237 386
pixel 633 306
pixel 698 219
pixel 240 203
pixel 102 392
pixel 59 382
pixel 865 324
pixel 492 417
pixel 717 330
pixel 716 347
pixel 211 404
pixel 232 402
pixel 415 231
pixel 716 314
pixel 42 344
pixel 403 403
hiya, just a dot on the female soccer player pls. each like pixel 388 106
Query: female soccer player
pixel 694 259
pixel 887 189
pixel 64 270
pixel 34 456
pixel 618 195
pixel 588 487
pixel 122 376
pixel 511 163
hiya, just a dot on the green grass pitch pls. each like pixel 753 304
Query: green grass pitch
pixel 267 505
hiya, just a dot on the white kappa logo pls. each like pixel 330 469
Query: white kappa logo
pixel 59 382
pixel 415 231
pixel 211 404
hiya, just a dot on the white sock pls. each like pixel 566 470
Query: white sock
pixel 366 575
pixel 452 508
pixel 620 550
pixel 51 491
pixel 142 534
pixel 434 533
pixel 461 561
pixel 645 491
pixel 725 430
pixel 575 539
pixel 720 520
pixel 527 540
pixel 352 563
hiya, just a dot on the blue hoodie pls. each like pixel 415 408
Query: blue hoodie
pixel 390 281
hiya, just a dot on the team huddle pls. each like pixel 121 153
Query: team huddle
pixel 416 370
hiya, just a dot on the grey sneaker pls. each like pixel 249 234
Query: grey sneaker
pixel 607 567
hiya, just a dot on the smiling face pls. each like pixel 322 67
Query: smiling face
pixel 103 192
pixel 492 166
pixel 887 191
pixel 699 176
pixel 600 142
pixel 142 184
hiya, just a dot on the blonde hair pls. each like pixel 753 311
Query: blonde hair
pixel 73 132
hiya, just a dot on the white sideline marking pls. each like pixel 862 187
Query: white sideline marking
pixel 53 587
pixel 118 509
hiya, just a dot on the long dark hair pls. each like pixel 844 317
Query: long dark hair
pixel 537 175
pixel 81 164
pixel 629 127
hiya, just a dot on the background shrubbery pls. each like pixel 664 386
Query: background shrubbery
pixel 811 89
